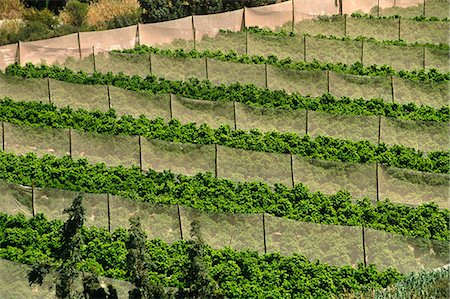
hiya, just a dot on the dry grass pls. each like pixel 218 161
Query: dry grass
pixel 11 9
pixel 105 10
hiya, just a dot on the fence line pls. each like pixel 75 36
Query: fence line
pixel 128 37
pixel 360 179
pixel 376 129
pixel 333 244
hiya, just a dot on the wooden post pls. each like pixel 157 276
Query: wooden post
pixel 109 96
pixel 265 74
pixel 399 28
pixel 216 158
pixel 364 246
pixel 392 90
pixel 424 10
pixel 33 205
pixel 150 61
pixel 48 89
pixel 293 16
pixel 362 52
pixel 20 54
pixel 234 115
pixel 345 25
pixel 141 163
pixel 138 36
pixel 304 47
pixel 70 142
pixel 193 27
pixel 292 170
pixel 109 212
pixel 3 136
pixel 328 81
pixel 379 129
pixel 246 42
pixel 79 45
pixel 423 57
pixel 170 106
pixel 377 180
pixel 340 7
pixel 264 232
pixel 206 67
pixel 93 58
pixel 179 221
pixel 307 114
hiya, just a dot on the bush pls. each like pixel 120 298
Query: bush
pixel 113 13
pixel 44 16
pixel 11 9
pixel 74 13
pixel 162 10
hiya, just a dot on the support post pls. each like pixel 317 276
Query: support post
pixel 364 246
pixel 48 89
pixel 304 47
pixel 193 28
pixel 150 62
pixel 109 96
pixel 423 57
pixel 140 153
pixel 109 212
pixel 340 7
pixel 377 180
pixel 292 170
pixel 293 16
pixel 234 115
pixel 345 25
pixel 379 129
pixel 70 142
pixel 3 136
pixel 307 115
pixel 79 45
pixel 170 106
pixel 179 221
pixel 328 81
pixel 206 68
pixel 33 205
pixel 20 53
pixel 265 74
pixel 93 58
pixel 424 10
pixel 399 28
pixel 216 158
pixel 246 42
pixel 264 232
pixel 138 36
pixel 362 52
pixel 392 89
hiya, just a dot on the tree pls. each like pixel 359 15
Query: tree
pixel 201 284
pixel 137 264
pixel 68 256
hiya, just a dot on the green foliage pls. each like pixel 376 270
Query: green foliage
pixel 138 264
pixel 77 11
pixel 44 16
pixel 204 192
pixel 160 10
pixel 431 284
pixel 321 147
pixel 201 284
pixel 238 274
pixel 247 94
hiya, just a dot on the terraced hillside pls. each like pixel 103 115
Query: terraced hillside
pixel 313 151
